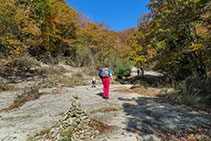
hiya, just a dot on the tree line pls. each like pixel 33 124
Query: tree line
pixel 174 37
pixel 47 29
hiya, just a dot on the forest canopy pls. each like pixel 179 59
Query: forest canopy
pixel 174 37
pixel 43 28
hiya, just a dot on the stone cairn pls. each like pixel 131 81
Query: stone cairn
pixel 73 126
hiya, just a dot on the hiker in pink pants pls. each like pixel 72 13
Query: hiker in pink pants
pixel 106 82
pixel 106 74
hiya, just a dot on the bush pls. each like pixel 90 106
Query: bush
pixel 3 86
pixel 19 65
pixel 193 91
pixel 31 94
pixel 52 69
pixel 27 95
pixel 113 60
pixel 123 68
pixel 90 70
pixel 75 80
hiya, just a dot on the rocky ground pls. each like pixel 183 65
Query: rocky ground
pixel 129 116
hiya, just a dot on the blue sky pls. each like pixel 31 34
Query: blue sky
pixel 118 14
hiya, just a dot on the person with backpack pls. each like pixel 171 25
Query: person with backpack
pixel 142 71
pixel 138 71
pixel 105 75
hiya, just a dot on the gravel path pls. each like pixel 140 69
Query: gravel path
pixel 132 116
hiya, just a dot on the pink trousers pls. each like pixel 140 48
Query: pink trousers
pixel 106 82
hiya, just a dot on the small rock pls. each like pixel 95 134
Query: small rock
pixel 81 136
pixel 84 117
pixel 55 134
pixel 60 138
pixel 75 124
pixel 65 117
pixel 78 120
pixel 71 114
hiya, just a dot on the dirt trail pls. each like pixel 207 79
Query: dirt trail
pixel 132 116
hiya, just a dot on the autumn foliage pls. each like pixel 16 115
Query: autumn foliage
pixel 174 37
pixel 178 36
pixel 51 28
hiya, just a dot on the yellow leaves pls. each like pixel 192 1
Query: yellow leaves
pixel 16 47
pixel 95 35
pixel 7 4
pixel 143 19
pixel 92 46
pixel 93 26
pixel 50 26
pixel 140 58
pixel 194 47
pixel 31 27
pixel 63 13
pixel 35 42
pixel 69 41
pixel 164 8
pixel 152 2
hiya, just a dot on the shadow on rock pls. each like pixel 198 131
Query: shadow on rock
pixel 153 116
pixel 100 94
pixel 147 80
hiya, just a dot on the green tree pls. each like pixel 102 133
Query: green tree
pixel 172 27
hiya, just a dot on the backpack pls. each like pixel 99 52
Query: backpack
pixel 105 73
pixel 100 73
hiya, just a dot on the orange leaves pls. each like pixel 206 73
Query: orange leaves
pixel 69 41
pixel 190 138
pixel 152 2
pixel 50 25
pixel 98 37
pixel 63 14
pixel 194 47
pixel 18 27
pixel 143 18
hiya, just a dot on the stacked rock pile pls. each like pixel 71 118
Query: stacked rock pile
pixel 73 126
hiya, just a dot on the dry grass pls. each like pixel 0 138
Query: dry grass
pixel 8 87
pixel 50 70
pixel 145 92
pixel 59 81
pixel 4 86
pixel 194 92
pixel 107 110
pixel 27 95
pixel 100 126
pixel 18 65
pixel 76 80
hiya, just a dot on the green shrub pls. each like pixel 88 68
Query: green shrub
pixel 123 68
pixel 3 86
pixel 31 94
pixel 113 60
pixel 27 95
